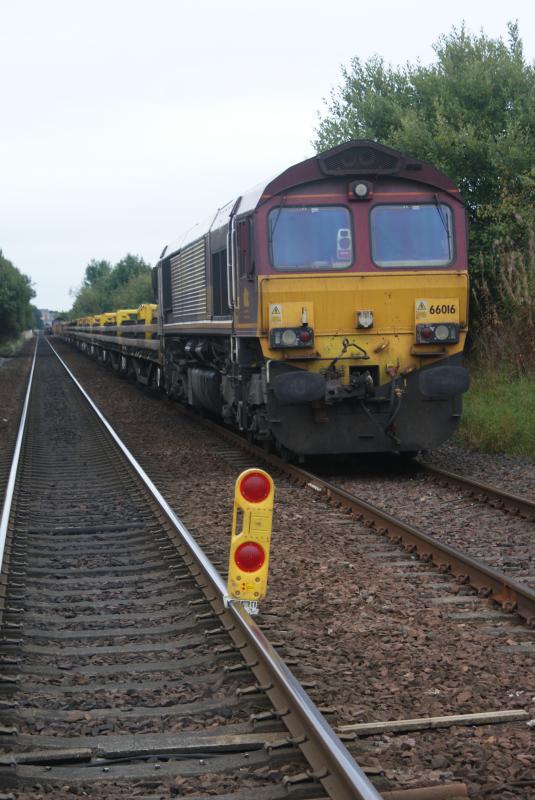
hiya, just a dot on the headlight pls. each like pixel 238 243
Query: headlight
pixel 360 190
pixel 291 337
pixel 442 332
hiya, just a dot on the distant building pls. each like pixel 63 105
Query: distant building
pixel 46 315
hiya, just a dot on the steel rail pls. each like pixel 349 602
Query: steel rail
pixel 503 500
pixel 331 762
pixel 508 592
pixel 10 487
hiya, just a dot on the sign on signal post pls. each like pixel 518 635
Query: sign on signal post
pixel 249 546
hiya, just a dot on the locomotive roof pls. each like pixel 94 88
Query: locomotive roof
pixel 358 157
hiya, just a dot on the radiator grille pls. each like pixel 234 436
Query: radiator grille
pixel 359 159
pixel 188 281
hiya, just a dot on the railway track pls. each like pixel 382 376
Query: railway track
pixel 455 626
pixel 488 579
pixel 123 672
pixel 504 501
pixel 492 576
pixel 13 378
pixel 511 594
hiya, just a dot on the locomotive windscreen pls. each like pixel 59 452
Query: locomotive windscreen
pixel 411 235
pixel 310 237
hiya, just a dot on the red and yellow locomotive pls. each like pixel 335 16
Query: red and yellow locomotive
pixel 324 311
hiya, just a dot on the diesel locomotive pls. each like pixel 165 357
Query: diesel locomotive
pixel 324 311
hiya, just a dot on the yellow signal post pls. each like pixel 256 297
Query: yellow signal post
pixel 249 547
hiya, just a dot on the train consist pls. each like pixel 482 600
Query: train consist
pixel 324 311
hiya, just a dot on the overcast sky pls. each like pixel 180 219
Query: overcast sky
pixel 124 122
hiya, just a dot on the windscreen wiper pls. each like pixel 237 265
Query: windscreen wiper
pixel 444 220
pixel 275 221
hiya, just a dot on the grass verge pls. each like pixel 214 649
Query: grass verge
pixel 10 347
pixel 499 414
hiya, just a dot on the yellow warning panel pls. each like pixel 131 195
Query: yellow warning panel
pixel 250 545
pixel 433 309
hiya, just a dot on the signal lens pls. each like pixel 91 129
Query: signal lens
pixel 249 556
pixel 426 333
pixel 255 487
pixel 442 332
pixel 289 338
pixel 304 336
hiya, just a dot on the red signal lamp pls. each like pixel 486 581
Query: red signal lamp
pixel 426 333
pixel 255 488
pixel 251 536
pixel 249 556
pixel 304 335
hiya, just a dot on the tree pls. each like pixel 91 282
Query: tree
pixel 138 290
pixel 471 113
pixel 37 320
pixel 91 300
pixel 107 288
pixel 15 295
pixel 96 271
pixel 126 269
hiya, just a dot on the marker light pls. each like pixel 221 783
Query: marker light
pixel 249 556
pixel 289 337
pixel 442 332
pixel 255 487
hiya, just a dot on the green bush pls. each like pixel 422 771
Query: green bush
pixel 503 298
